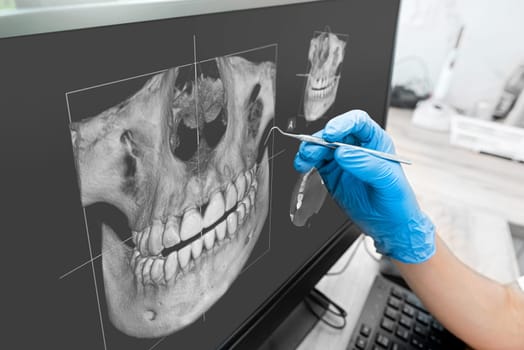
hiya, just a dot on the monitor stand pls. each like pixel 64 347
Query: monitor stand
pixel 292 331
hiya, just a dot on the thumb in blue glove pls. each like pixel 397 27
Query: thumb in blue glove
pixel 374 192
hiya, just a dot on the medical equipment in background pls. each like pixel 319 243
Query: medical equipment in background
pixel 407 94
pixel 515 117
pixel 511 104
pixel 434 113
pixel 500 132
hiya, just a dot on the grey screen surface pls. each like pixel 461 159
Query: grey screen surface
pixel 52 81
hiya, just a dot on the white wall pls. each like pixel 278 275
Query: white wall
pixel 492 45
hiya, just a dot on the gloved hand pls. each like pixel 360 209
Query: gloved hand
pixel 374 192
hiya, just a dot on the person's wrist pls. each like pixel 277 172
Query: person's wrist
pixel 423 247
pixel 410 243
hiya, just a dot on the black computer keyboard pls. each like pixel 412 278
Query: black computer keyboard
pixel 393 318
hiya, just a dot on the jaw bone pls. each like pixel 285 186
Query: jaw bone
pixel 195 206
pixel 326 54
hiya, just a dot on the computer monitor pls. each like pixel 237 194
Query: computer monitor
pixel 152 206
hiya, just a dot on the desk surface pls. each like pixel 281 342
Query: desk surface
pixel 470 197
pixel 349 290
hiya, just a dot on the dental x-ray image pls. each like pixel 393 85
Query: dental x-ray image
pixel 307 198
pixel 325 56
pixel 182 160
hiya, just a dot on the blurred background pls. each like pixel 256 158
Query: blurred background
pixel 458 112
pixel 489 56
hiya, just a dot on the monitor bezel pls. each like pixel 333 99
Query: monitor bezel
pixel 39 20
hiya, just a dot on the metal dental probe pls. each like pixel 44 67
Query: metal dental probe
pixel 333 145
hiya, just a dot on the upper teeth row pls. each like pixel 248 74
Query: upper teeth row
pixel 159 270
pixel 322 82
pixel 158 236
pixel 328 90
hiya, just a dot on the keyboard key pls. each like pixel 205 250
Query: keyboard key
pixel 391 313
pixel 396 346
pixel 414 301
pixel 435 339
pixel 408 310
pixel 382 340
pixel 437 326
pixel 387 324
pixel 397 292
pixel 365 330
pixel 360 343
pixel 417 343
pixel 405 321
pixel 423 318
pixel 421 330
pixel 392 319
pixel 402 333
pixel 394 302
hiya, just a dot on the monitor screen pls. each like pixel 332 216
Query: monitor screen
pixel 165 210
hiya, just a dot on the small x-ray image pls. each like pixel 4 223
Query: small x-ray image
pixel 325 56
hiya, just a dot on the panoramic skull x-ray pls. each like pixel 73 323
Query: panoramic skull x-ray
pixel 183 160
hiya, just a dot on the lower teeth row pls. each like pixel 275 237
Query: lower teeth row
pixel 160 270
pixel 321 93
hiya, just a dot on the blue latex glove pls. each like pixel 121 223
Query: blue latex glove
pixel 374 192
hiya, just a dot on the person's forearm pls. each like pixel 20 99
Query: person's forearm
pixel 482 312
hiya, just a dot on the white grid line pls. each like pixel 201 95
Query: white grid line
pixel 277 154
pixel 93 259
pixel 90 249
pixel 273 159
pixel 273 156
pixel 116 81
pixel 241 52
pixel 157 342
pixel 195 90
pixel 163 70
pixel 337 34
pixel 257 259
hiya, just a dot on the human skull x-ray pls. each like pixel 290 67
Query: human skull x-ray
pixel 183 160
pixel 326 54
